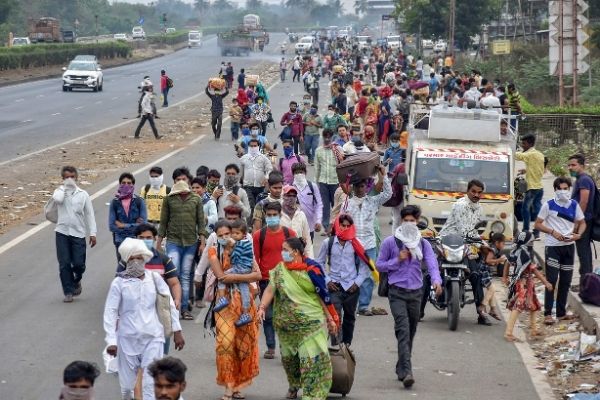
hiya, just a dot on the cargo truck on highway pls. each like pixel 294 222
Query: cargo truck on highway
pixel 46 29
pixel 237 42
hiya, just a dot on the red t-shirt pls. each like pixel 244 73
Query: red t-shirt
pixel 271 251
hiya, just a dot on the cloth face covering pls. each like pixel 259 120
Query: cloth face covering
pixel 68 393
pixel 156 182
pixel 125 191
pixel 230 181
pixel 410 236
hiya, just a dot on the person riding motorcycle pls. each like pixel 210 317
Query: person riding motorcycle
pixel 465 215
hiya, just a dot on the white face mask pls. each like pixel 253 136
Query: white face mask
pixel 69 183
pixel 135 267
pixel 253 151
pixel 300 180
pixel 562 196
pixel 254 132
pixel 156 181
pixel 330 113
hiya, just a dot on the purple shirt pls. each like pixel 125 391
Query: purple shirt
pixel 311 204
pixel 406 274
pixel 285 165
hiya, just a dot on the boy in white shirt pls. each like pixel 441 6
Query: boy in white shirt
pixel 563 222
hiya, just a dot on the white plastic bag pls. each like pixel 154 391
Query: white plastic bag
pixel 111 363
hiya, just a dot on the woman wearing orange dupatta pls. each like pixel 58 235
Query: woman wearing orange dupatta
pixel 237 347
pixel 302 306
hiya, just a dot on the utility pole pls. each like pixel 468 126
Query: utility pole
pixel 96 18
pixel 561 79
pixel 575 48
pixel 452 27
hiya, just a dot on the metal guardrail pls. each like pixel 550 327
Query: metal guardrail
pixel 552 130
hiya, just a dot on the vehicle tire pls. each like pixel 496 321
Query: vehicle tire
pixel 95 89
pixel 65 89
pixel 453 305
pixel 101 87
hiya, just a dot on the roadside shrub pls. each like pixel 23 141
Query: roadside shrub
pixel 41 55
pixel 170 38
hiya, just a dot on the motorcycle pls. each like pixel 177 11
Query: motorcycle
pixel 457 257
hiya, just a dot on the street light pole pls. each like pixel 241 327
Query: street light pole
pixel 96 18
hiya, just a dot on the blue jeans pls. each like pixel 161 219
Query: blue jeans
pixel 70 252
pixel 366 289
pixel 327 193
pixel 165 93
pixel 268 322
pixel 311 142
pixel 235 130
pixel 183 258
pixel 531 206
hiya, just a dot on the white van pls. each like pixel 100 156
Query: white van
pixel 194 39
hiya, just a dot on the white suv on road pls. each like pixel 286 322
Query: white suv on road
pixel 305 45
pixel 138 33
pixel 82 75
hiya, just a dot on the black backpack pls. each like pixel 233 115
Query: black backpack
pixel 330 246
pixel 263 236
pixel 169 82
pixel 596 215
pixel 147 187
pixel 384 286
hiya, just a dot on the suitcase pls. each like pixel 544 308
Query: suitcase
pixel 362 164
pixel 216 83
pixel 343 364
pixel 251 80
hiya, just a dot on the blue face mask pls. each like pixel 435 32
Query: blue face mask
pixel 245 131
pixel 288 151
pixel 222 241
pixel 272 221
pixel 149 243
pixel 313 112
pixel 286 256
pixel 395 145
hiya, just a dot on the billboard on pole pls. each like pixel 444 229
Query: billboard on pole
pixel 564 33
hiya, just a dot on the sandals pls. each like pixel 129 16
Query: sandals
pixel 365 313
pixel 238 396
pixel 567 317
pixel 292 394
pixel 244 319
pixel 378 311
pixel 548 320
pixel 536 334
pixel 220 304
pixel 226 397
pixel 186 315
pixel 269 354
pixel 494 315
pixel 511 338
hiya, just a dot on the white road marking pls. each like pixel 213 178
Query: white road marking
pixel 27 120
pixel 39 95
pixel 105 189
pixel 99 102
pixel 56 114
pixel 19 100
pixel 114 98
pixel 79 108
pixel 163 111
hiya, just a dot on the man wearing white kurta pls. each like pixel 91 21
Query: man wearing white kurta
pixel 138 338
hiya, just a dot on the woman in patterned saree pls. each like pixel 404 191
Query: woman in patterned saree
pixel 302 305
pixel 237 347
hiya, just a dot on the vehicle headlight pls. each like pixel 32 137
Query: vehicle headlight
pixel 497 227
pixel 453 255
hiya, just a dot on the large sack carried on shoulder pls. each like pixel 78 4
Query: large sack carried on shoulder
pixel 363 165
pixel 590 289
pixel 343 364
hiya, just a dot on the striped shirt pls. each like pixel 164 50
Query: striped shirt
pixel 242 256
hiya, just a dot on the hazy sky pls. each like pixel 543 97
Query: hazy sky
pixel 185 1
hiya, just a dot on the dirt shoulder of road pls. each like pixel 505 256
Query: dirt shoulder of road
pixel 16 76
pixel 27 184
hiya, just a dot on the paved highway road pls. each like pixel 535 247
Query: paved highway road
pixel 40 334
pixel 38 114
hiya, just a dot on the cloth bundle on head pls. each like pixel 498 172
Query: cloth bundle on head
pixel 409 234
pixel 386 91
pixel 349 234
pixel 180 187
pixel 134 247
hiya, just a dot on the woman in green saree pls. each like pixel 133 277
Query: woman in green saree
pixel 302 307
